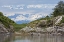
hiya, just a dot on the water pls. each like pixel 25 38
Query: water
pixel 34 38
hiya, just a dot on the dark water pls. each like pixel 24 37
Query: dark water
pixel 34 38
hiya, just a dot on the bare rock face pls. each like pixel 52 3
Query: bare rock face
pixel 11 28
pixel 2 28
pixel 34 29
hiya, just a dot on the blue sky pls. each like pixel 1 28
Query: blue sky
pixel 23 11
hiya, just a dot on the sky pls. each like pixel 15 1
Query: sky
pixel 24 11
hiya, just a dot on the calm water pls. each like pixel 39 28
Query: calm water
pixel 34 38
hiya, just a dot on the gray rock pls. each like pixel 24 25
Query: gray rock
pixel 2 28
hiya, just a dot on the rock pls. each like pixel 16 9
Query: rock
pixel 2 28
pixel 29 29
pixel 50 29
pixel 11 28
pixel 62 24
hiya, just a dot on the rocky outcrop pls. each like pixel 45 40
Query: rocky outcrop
pixel 52 30
pixel 47 26
pixel 4 29
pixel 34 29
pixel 57 20
pixel 56 30
pixel 10 29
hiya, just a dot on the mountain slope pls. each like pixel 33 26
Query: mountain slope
pixel 46 22
pixel 42 22
pixel 6 24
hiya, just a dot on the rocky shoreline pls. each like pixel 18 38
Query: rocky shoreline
pixel 56 30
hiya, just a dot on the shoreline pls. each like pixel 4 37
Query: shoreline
pixel 37 34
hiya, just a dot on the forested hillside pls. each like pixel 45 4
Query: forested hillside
pixel 5 20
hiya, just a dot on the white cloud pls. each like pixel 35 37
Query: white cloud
pixel 29 6
pixel 10 14
pixel 32 14
pixel 20 5
pixel 19 18
pixel 13 6
pixel 7 6
pixel 31 17
pixel 37 15
pixel 20 8
pixel 22 15
pixel 42 6
pixel 19 13
pixel 34 17
pixel 34 6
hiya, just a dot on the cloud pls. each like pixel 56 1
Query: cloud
pixel 38 6
pixel 7 6
pixel 41 6
pixel 26 10
pixel 31 17
pixel 34 17
pixel 26 15
pixel 37 16
pixel 10 14
pixel 19 18
pixel 18 13
pixel 13 6
pixel 34 6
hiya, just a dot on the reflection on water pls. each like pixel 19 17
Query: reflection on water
pixel 34 38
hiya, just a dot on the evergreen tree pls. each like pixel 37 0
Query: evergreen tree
pixel 5 20
pixel 59 9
